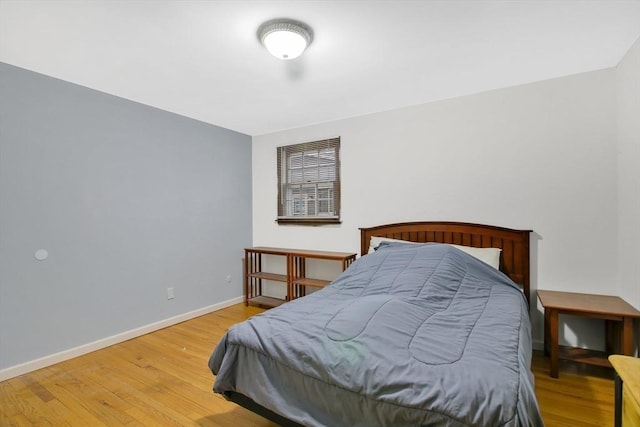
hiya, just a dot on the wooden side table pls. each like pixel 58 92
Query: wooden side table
pixel 627 390
pixel 614 310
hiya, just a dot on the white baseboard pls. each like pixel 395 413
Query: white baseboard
pixel 43 362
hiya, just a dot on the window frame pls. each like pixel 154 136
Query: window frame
pixel 296 166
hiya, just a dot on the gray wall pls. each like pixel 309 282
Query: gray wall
pixel 128 200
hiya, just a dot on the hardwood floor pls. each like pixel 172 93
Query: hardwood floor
pixel 582 396
pixel 162 379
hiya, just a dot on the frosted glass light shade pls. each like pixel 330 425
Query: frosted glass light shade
pixel 285 38
pixel 285 44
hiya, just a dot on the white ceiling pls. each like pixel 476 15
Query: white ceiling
pixel 202 58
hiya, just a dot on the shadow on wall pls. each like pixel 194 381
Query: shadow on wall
pixel 573 331
pixel 536 312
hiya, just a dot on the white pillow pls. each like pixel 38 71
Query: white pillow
pixel 375 242
pixel 489 256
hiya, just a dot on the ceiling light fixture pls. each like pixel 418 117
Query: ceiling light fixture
pixel 285 38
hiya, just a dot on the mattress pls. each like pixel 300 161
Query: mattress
pixel 411 335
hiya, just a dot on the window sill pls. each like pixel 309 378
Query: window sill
pixel 308 221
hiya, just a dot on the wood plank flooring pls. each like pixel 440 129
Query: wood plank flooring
pixel 162 379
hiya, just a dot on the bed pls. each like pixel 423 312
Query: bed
pixel 419 331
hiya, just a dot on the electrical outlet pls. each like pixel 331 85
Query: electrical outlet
pixel 170 294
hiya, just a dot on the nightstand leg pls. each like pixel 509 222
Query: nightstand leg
pixel 609 334
pixel 627 336
pixel 547 312
pixel 553 342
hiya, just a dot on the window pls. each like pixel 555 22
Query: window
pixel 309 182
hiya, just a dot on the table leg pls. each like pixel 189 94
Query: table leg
pixel 617 417
pixel 290 274
pixel 246 279
pixel 553 342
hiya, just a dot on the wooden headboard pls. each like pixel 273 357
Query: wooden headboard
pixel 514 258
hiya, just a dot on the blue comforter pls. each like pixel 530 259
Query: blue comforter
pixel 411 335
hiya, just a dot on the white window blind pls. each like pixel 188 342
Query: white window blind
pixel 309 182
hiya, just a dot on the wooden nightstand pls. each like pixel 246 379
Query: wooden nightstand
pixel 627 409
pixel 614 310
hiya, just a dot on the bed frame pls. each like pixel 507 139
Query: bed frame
pixel 514 262
pixel 514 258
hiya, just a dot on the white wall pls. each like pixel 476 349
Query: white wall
pixel 541 156
pixel 628 97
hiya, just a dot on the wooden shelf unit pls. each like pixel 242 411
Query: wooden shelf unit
pixel 295 279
